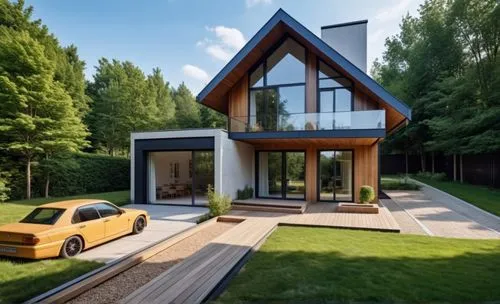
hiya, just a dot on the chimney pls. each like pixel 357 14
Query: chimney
pixel 349 39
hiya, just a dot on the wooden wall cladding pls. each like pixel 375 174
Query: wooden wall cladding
pixel 365 169
pixel 238 105
pixel 311 83
pixel 362 102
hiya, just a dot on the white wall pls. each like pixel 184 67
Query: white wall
pixel 350 41
pixel 236 165
pixel 233 161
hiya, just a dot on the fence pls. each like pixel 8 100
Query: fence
pixel 480 169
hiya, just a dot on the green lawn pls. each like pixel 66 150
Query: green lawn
pixel 14 211
pixel 315 265
pixel 480 196
pixel 23 279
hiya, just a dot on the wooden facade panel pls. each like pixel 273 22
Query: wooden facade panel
pixel 311 83
pixel 362 102
pixel 311 174
pixel 238 105
pixel 365 168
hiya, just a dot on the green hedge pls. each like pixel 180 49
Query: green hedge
pixel 90 173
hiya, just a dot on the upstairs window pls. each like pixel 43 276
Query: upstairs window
pixel 334 90
pixel 277 88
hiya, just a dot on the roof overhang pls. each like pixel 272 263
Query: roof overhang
pixel 280 23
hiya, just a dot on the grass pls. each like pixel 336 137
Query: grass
pixel 394 182
pixel 316 265
pixel 22 279
pixel 14 211
pixel 480 196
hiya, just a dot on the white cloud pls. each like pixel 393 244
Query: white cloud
pixel 395 11
pixel 227 42
pixel 195 72
pixel 230 36
pixel 251 3
pixel 218 52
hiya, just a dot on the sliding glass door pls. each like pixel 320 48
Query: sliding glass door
pixel 336 176
pixel 281 175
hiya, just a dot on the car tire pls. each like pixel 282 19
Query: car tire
pixel 72 247
pixel 139 224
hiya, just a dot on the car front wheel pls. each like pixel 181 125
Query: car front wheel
pixel 139 224
pixel 71 247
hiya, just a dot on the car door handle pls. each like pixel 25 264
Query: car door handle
pixel 82 226
pixel 106 221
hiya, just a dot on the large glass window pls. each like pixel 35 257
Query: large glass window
pixel 336 176
pixel 335 99
pixel 281 175
pixel 180 177
pixel 277 89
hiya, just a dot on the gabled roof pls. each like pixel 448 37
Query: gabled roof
pixel 354 71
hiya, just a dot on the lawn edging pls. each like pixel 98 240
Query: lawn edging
pixel 71 289
pixel 458 199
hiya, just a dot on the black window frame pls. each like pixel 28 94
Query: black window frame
pixel 282 173
pixel 333 89
pixel 318 175
pixel 263 62
pixel 86 206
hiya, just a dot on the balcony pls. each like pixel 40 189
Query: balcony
pixel 307 125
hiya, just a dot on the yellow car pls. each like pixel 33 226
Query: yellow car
pixel 68 227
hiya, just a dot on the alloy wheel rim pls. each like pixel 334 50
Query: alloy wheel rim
pixel 139 225
pixel 73 247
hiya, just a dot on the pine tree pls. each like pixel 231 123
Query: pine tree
pixel 187 109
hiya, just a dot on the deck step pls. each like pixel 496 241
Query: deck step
pixel 269 208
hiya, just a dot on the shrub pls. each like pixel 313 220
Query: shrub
pixel 434 176
pixel 218 204
pixel 91 173
pixel 244 194
pixel 401 183
pixel 366 194
pixel 4 189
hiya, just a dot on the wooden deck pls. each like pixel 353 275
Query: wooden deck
pixel 192 280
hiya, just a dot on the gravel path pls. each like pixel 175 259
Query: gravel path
pixel 126 282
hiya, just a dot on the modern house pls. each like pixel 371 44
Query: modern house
pixel 304 123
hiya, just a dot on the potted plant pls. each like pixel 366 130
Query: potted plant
pixel 366 194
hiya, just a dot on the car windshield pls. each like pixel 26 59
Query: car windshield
pixel 45 216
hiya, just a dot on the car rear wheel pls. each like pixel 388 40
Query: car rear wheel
pixel 72 247
pixel 139 224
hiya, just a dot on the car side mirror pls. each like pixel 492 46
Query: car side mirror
pixel 122 211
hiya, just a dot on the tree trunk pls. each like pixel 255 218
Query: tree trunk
pixel 47 184
pixel 432 162
pixel 28 178
pixel 461 170
pixel 454 167
pixel 406 162
pixel 422 161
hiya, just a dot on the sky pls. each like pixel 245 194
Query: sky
pixel 191 40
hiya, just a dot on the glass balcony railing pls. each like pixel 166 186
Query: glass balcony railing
pixel 356 120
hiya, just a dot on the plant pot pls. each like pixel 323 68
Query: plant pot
pixel 357 208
